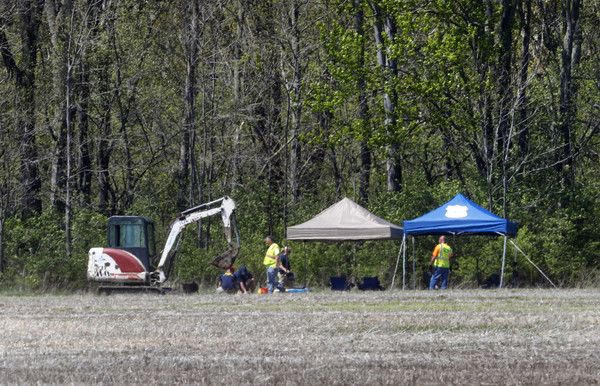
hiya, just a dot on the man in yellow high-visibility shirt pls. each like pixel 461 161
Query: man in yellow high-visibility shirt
pixel 442 260
pixel 272 262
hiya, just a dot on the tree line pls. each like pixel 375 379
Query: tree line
pixel 151 107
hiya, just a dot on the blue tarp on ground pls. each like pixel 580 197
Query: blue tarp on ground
pixel 460 216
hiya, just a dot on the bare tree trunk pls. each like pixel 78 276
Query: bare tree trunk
pixel 522 98
pixel 103 142
pixel 83 91
pixel 123 129
pixel 237 95
pixel 84 160
pixel 363 109
pixel 5 190
pixel 31 182
pixel 296 104
pixel 68 208
pixel 488 147
pixel 30 18
pixel 125 98
pixel 104 155
pixel 2 217
pixel 390 99
pixel 337 174
pixel 570 56
pixel 2 222
pixel 58 16
pixel 505 97
pixel 190 36
pixel 60 20
pixel 267 126
pixel 504 72
pixel 8 183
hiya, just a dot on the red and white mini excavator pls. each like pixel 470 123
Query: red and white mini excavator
pixel 126 264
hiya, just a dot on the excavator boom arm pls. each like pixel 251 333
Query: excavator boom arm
pixel 187 217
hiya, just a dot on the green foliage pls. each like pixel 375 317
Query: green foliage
pixel 36 250
pixel 283 99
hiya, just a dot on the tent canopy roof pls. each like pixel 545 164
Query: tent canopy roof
pixel 345 221
pixel 460 216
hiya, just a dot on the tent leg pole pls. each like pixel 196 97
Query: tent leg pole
pixel 404 263
pixel 305 266
pixel 414 265
pixel 515 268
pixel 503 261
pixel 397 262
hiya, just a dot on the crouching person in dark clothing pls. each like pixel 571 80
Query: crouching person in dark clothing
pixel 227 282
pixel 245 280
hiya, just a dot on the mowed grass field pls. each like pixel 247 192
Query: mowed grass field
pixel 468 337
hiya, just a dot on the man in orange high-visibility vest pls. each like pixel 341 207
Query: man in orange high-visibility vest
pixel 442 260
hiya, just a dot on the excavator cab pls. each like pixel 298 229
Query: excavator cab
pixel 135 235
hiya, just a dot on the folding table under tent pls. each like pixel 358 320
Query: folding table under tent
pixel 344 221
pixel 459 216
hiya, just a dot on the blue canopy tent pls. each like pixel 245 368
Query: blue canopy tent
pixel 459 216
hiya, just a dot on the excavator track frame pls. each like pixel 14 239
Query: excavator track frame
pixel 113 289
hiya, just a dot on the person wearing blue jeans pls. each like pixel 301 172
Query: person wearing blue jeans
pixel 271 260
pixel 441 259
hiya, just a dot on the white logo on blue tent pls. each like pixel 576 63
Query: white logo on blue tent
pixel 456 211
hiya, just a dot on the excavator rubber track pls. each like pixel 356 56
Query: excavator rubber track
pixel 108 290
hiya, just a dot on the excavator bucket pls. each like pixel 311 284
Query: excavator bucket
pixel 227 258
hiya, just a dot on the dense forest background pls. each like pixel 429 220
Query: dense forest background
pixel 151 107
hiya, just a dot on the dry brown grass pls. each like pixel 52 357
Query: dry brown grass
pixel 501 337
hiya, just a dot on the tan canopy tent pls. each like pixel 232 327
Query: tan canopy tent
pixel 344 221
